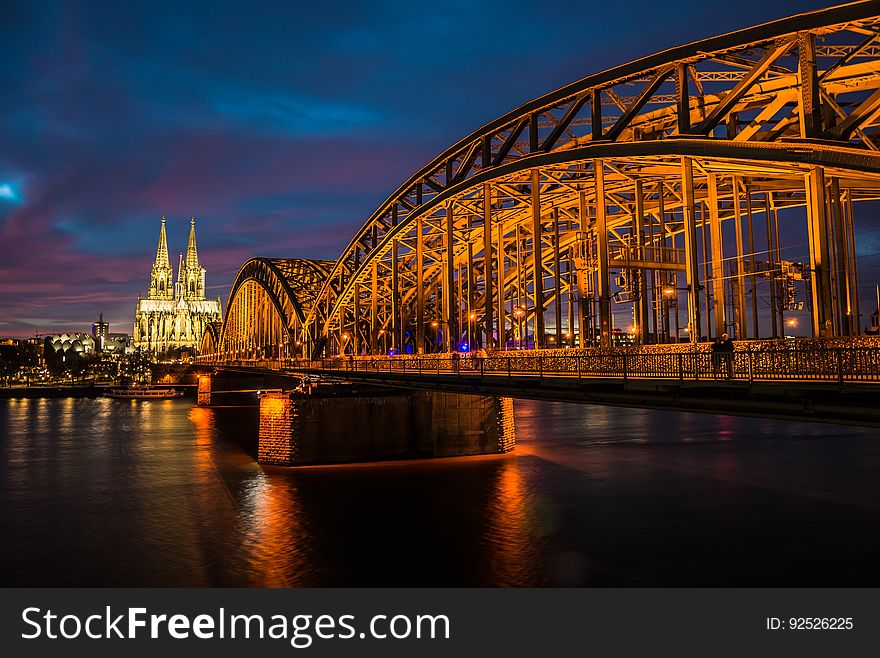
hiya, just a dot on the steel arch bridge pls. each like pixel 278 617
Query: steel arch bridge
pixel 268 305
pixel 660 185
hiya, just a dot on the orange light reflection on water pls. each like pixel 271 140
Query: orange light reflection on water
pixel 267 510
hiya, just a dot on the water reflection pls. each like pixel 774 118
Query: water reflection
pixel 514 522
pixel 109 492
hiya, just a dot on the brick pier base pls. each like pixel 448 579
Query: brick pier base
pixel 302 429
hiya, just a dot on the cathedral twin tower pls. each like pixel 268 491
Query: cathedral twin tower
pixel 175 315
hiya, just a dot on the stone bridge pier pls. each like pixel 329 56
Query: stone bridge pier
pixel 336 426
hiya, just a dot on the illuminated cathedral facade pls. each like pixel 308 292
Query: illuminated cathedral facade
pixel 174 314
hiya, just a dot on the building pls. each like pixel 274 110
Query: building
pixel 174 316
pixel 100 331
pixel 110 343
pixel 118 343
pixel 75 341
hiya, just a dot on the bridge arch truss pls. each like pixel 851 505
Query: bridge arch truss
pixel 268 303
pixel 660 184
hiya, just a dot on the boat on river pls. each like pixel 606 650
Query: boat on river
pixel 144 393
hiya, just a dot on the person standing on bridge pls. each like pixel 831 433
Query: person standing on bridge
pixel 727 351
pixel 717 349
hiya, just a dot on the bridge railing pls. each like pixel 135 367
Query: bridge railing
pixel 838 364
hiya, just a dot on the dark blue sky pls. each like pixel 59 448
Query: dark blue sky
pixel 279 126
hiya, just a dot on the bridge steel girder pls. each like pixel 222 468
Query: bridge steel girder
pixel 773 112
pixel 791 161
pixel 290 286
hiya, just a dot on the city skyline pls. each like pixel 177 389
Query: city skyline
pixel 116 117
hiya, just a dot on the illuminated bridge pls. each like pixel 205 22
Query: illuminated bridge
pixel 711 188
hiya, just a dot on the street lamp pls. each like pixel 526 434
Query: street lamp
pixel 669 292
pixel 435 342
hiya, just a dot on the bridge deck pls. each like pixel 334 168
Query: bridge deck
pixel 836 385
pixel 850 365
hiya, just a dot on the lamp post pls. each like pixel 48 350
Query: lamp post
pixel 670 296
pixel 436 343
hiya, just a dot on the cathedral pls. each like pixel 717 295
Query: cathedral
pixel 174 315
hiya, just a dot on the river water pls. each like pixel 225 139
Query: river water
pixel 163 493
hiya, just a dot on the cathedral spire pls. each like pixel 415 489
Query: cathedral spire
pixel 192 256
pixel 162 250
pixel 160 277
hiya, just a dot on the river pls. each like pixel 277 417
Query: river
pixel 162 493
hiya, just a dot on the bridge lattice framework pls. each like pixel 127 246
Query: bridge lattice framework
pixel 659 183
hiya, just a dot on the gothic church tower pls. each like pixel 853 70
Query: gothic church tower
pixel 161 278
pixel 192 275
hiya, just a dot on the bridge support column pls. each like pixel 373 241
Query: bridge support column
pixel 603 287
pixel 488 291
pixel 692 272
pixel 641 305
pixel 449 314
pixel 717 256
pixel 300 429
pixel 739 300
pixel 420 286
pixel 537 259
pixel 820 257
